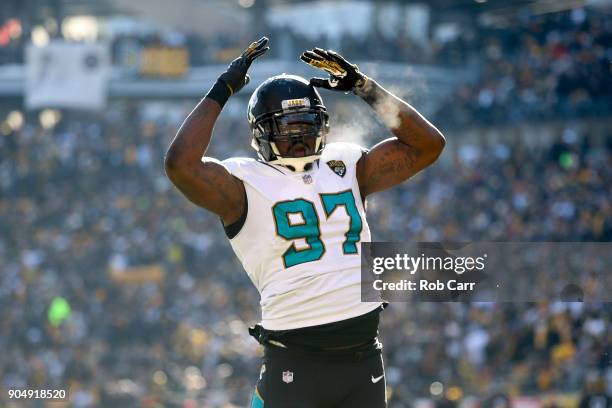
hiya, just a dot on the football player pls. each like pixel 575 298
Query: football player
pixel 295 217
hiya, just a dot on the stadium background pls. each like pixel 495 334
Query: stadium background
pixel 113 285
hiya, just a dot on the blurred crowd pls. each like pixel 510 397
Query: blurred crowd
pixel 535 67
pixel 554 65
pixel 154 306
pixel 88 215
pixel 92 198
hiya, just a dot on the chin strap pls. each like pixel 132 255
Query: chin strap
pixel 298 163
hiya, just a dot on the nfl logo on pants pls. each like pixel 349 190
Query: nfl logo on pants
pixel 287 377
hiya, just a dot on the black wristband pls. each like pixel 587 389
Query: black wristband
pixel 219 92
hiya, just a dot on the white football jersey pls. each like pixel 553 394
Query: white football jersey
pixel 300 243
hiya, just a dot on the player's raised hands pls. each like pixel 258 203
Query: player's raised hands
pixel 343 76
pixel 236 76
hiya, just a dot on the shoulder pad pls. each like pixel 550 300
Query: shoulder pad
pixel 248 169
pixel 350 153
pixel 239 166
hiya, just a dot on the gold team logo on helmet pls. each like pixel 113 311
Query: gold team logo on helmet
pixel 295 103
pixel 337 167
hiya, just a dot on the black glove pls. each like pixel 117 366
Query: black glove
pixel 236 77
pixel 343 76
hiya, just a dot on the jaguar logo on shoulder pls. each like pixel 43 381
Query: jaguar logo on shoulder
pixel 337 167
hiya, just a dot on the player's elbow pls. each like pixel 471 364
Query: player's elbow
pixel 170 164
pixel 173 164
pixel 439 143
pixel 435 146
pixel 177 171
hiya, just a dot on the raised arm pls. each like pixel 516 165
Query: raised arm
pixel 417 143
pixel 205 182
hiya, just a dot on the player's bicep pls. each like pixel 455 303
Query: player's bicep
pixel 387 164
pixel 210 185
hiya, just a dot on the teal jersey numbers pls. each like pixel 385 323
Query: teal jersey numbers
pixel 346 199
pixel 308 228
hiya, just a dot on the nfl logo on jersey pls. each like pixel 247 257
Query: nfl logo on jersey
pixel 287 377
pixel 307 178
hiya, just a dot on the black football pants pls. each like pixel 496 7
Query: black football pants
pixel 293 378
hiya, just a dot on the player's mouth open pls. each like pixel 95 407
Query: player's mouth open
pixel 298 150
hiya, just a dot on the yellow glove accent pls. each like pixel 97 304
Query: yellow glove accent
pixel 251 49
pixel 331 67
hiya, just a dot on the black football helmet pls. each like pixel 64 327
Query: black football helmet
pixel 286 108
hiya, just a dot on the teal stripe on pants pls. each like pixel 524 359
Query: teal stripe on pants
pixel 256 401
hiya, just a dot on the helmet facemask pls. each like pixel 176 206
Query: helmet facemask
pixel 291 138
